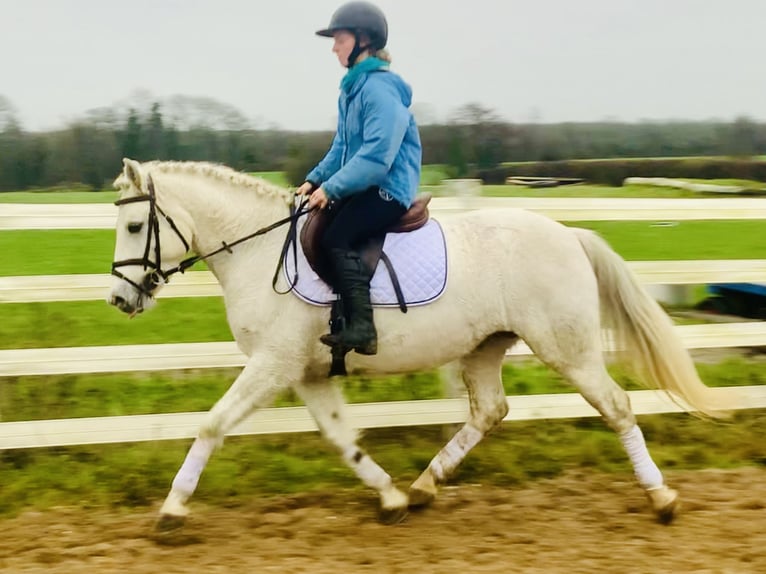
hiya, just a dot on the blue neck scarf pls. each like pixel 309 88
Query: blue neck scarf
pixel 367 65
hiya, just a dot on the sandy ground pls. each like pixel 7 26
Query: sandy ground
pixel 574 523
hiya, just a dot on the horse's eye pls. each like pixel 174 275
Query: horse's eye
pixel 135 227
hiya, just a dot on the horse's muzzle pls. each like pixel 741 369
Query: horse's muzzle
pixel 124 305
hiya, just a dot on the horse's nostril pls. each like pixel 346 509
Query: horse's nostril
pixel 117 301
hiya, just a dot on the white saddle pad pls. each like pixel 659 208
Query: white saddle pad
pixel 419 258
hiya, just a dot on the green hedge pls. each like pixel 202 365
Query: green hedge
pixel 613 171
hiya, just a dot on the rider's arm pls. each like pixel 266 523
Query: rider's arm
pixel 330 164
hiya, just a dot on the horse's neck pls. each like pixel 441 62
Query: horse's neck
pixel 222 212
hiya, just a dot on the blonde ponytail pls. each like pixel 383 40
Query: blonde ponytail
pixel 383 55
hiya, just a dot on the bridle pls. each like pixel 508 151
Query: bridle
pixel 158 276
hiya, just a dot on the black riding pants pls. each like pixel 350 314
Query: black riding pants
pixel 360 217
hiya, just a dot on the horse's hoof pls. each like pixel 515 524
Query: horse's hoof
pixel 420 498
pixel 391 516
pixel 168 523
pixel 423 490
pixel 665 503
pixel 668 513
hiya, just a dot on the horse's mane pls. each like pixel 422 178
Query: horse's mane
pixel 219 172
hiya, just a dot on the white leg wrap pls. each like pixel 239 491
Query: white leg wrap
pixel 647 473
pixel 188 475
pixel 368 471
pixel 453 453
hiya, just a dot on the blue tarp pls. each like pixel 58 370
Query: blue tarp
pixel 752 288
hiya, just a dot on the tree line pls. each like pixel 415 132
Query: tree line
pixel 88 151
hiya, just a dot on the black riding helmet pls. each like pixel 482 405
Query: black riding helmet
pixel 359 18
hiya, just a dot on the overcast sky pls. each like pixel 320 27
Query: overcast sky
pixel 548 60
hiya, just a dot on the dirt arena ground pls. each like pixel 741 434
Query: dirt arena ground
pixel 574 523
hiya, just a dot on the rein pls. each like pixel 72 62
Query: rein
pixel 158 276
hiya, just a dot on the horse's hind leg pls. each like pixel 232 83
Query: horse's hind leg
pixel 325 402
pixel 613 403
pixel 580 360
pixel 482 369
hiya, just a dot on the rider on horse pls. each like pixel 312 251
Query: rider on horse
pixel 371 173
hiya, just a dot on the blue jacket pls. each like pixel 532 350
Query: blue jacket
pixel 377 142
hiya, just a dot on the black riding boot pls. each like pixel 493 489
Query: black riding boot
pixel 353 284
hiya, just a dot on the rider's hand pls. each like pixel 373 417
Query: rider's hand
pixel 305 189
pixel 318 199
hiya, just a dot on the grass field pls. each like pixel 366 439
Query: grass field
pixel 139 474
pixel 62 196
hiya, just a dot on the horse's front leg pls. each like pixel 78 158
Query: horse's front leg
pixel 325 402
pixel 254 388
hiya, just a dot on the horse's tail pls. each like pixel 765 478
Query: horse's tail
pixel 645 333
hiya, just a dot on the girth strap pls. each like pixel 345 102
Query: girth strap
pixel 394 281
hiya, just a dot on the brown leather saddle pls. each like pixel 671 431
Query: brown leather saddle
pixel 371 252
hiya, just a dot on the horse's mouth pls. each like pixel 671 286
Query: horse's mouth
pixel 127 307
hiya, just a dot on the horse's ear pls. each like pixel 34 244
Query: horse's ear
pixel 133 172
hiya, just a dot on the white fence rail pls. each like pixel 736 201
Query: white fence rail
pixel 102 216
pixel 158 357
pixel 136 428
pixel 83 287
pixel 39 288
